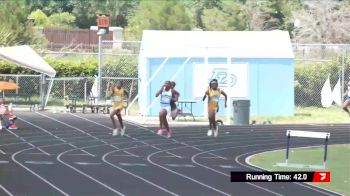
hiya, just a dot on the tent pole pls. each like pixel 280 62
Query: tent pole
pixel 48 92
pixel 42 96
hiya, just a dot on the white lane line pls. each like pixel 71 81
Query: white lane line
pixel 192 146
pixel 123 155
pixel 220 157
pixel 2 152
pixel 151 146
pixel 166 156
pixel 28 142
pixel 44 130
pixel 174 155
pixel 40 162
pixel 84 174
pixel 38 153
pixel 227 166
pixel 68 125
pixel 6 191
pixel 131 154
pixel 210 158
pixel 95 180
pixel 73 127
pixel 166 168
pixel 179 174
pixel 35 174
pixel 225 174
pixel 80 155
pixel 2 162
pixel 87 163
pixel 100 125
pixel 48 132
pixel 180 165
pixel 74 146
pixel 132 174
pixel 187 177
pixel 148 159
pixel 133 164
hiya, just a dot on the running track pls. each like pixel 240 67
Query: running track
pixel 75 154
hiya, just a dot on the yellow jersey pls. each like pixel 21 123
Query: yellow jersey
pixel 213 99
pixel 117 97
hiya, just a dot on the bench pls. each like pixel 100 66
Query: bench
pixel 182 105
pixel 93 106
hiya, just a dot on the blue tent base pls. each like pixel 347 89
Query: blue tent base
pixel 300 166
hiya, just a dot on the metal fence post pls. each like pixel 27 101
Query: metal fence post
pixel 85 90
pixel 99 77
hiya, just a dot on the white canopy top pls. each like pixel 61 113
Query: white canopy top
pixel 236 44
pixel 25 56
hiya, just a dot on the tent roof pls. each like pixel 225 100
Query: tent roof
pixel 236 44
pixel 25 56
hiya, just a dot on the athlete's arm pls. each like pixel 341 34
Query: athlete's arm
pixel 110 91
pixel 160 91
pixel 205 95
pixel 225 95
pixel 175 95
pixel 126 93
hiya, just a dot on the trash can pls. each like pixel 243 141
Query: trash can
pixel 241 112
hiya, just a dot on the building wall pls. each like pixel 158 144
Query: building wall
pixel 271 84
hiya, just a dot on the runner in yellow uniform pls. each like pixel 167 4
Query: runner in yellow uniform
pixel 213 94
pixel 118 94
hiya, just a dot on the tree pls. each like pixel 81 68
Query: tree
pixel 228 18
pixel 50 7
pixel 157 15
pixel 61 20
pixel 255 17
pixel 277 13
pixel 118 10
pixel 6 36
pixel 16 28
pixel 322 22
pixel 197 7
pixel 85 11
pixel 39 17
pixel 269 14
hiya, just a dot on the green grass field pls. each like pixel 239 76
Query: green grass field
pixel 338 164
pixel 310 115
pixel 302 115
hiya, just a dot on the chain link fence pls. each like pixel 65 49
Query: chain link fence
pixel 81 88
pixel 314 63
pixel 27 94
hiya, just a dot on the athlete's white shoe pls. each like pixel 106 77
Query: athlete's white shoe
pixel 210 132
pixel 115 132
pixel 123 131
pixel 216 131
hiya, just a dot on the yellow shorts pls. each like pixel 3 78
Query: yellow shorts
pixel 212 107
pixel 118 106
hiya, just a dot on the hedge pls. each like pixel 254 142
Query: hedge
pixel 120 66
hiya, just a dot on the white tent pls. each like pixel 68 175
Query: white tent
pixel 25 56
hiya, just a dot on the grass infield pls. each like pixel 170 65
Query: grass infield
pixel 338 163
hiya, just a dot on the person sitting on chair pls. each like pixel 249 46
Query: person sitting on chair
pixel 6 116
